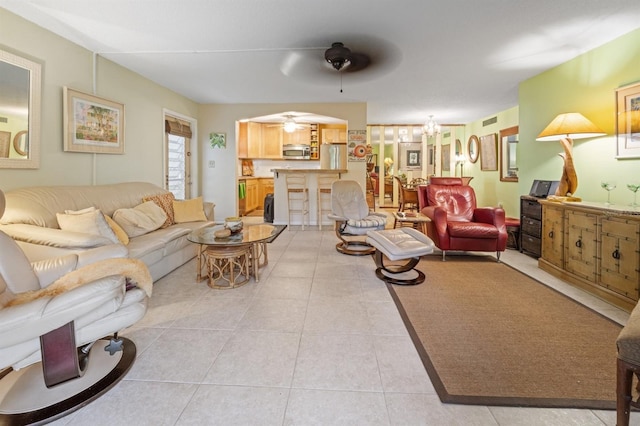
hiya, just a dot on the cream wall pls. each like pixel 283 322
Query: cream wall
pixel 67 64
pixel 587 85
pixel 219 182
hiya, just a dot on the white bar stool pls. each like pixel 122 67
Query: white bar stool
pixel 298 196
pixel 324 194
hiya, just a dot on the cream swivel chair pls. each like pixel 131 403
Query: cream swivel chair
pixel 324 195
pixel 54 358
pixel 297 196
pixel 350 210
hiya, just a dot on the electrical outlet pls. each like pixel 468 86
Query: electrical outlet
pixel 212 164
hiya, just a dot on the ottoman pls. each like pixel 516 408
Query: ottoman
pixel 399 244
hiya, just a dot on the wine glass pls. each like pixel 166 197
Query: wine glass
pixel 608 186
pixel 633 187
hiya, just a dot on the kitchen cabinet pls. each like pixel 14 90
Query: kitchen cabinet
pixel 271 142
pixel 530 226
pixel 298 137
pixel 257 140
pixel 265 186
pixel 249 140
pixel 332 135
pixel 600 248
pixel 251 199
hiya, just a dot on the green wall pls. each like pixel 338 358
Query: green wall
pixel 587 85
pixel 490 191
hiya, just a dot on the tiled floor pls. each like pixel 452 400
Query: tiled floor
pixel 317 341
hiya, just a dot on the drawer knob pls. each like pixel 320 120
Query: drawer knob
pixel 616 254
pixel 579 243
pixel 550 234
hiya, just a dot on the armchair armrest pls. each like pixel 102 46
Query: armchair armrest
pixel 492 215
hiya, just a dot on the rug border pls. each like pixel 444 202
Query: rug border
pixel 446 397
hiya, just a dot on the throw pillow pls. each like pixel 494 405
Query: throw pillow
pixel 141 219
pixel 165 202
pixel 117 229
pixel 86 221
pixel 189 210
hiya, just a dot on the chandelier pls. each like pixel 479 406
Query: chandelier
pixel 431 127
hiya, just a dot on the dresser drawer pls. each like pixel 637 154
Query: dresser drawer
pixel 531 226
pixel 531 208
pixel 531 244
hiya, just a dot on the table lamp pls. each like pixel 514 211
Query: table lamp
pixel 564 128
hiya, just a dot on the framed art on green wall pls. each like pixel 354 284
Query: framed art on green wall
pixel 628 121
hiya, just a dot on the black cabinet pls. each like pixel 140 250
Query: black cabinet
pixel 530 226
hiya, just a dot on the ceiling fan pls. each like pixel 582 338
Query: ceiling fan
pixel 361 57
pixel 342 58
pixel 290 125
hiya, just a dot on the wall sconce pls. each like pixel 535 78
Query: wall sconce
pixel 460 160
pixel 565 128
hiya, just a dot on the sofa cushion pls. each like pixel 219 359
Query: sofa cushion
pixel 87 221
pixel 117 229
pixel 165 202
pixel 189 210
pixel 141 219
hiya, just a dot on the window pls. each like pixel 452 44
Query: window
pixel 178 153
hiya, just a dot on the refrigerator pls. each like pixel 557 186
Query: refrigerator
pixel 333 156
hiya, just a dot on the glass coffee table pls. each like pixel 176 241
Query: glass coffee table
pixel 256 236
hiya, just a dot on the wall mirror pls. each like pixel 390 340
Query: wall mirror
pixel 20 107
pixel 473 148
pixel 508 154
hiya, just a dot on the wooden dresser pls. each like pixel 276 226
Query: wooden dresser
pixel 594 247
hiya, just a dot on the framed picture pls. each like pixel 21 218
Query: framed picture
pixel 218 140
pixel 414 158
pixel 92 124
pixel 446 158
pixel 628 121
pixel 489 152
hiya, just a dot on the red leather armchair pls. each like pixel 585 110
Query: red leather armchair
pixel 456 222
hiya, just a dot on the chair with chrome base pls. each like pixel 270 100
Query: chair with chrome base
pixel 54 358
pixel 350 210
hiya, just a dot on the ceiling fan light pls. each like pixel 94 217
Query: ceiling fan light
pixel 338 56
pixel 289 125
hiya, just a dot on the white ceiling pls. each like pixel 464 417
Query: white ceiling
pixel 458 60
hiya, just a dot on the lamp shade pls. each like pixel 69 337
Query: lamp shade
pixel 569 125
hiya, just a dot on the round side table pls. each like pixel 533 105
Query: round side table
pixel 227 266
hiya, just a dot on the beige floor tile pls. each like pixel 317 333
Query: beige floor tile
pixel 337 362
pixel 235 405
pixel 137 403
pixel 285 288
pixel 253 358
pixel 320 407
pixel 331 315
pixel 269 314
pixel 515 416
pixel 400 366
pixel 179 355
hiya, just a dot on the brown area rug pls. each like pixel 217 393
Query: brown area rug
pixel 490 335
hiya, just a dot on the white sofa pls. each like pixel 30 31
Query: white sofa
pixel 30 219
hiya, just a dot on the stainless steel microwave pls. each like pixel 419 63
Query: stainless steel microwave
pixel 296 152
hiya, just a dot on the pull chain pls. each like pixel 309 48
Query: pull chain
pixel 340 82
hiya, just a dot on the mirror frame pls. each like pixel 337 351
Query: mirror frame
pixel 505 150
pixel 473 148
pixel 35 98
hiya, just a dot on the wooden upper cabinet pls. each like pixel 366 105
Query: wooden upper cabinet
pixel 271 146
pixel 243 140
pixel 334 135
pixel 298 137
